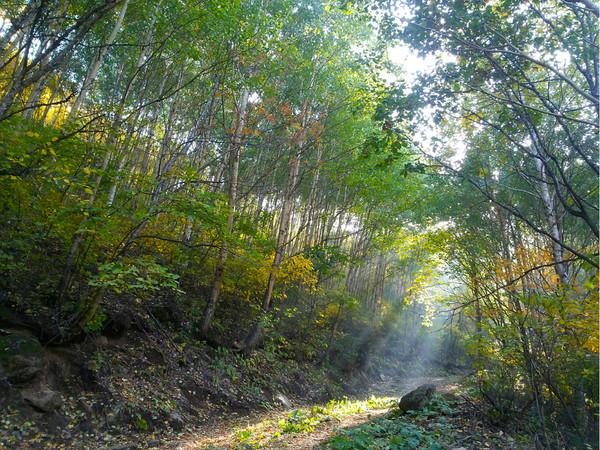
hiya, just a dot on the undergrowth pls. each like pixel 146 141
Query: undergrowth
pixel 425 428
pixel 307 420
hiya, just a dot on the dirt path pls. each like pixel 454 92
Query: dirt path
pixel 227 434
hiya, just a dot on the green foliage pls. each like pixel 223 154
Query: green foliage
pixel 298 421
pixel 138 277
pixel 308 420
pixel 226 363
pixel 96 323
pixel 398 432
pixel 334 409
pixel 141 423
pixel 138 194
pixel 384 433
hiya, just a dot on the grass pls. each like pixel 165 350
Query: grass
pixel 414 430
pixel 441 424
pixel 446 422
pixel 307 420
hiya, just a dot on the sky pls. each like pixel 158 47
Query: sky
pixel 410 67
pixel 410 62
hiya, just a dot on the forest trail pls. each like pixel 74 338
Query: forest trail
pixel 230 433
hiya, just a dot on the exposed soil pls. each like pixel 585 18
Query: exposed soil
pixel 224 434
pixel 471 430
pixel 147 391
pixel 136 393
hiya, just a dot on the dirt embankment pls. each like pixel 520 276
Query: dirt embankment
pixel 141 389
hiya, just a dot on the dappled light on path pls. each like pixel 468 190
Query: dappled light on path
pixel 309 426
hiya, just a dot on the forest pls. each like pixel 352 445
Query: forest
pixel 263 223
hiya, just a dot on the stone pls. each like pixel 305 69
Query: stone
pixel 117 415
pixel 176 421
pixel 417 398
pixel 85 406
pixel 8 393
pixel 44 399
pixel 21 357
pixel 101 341
pixel 283 400
pixel 154 357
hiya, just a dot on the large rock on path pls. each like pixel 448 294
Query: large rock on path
pixel 418 398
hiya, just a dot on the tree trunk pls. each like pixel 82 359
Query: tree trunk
pixel 41 65
pixel 254 336
pixel 94 67
pixel 234 164
pixel 552 218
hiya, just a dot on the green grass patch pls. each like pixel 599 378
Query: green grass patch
pixel 425 428
pixel 307 420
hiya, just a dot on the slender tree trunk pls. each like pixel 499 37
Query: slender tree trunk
pixel 234 164
pixel 94 67
pixel 206 137
pixel 41 66
pixel 255 333
pixel 79 237
pixel 312 197
pixel 49 105
pixel 553 222
pixel 22 22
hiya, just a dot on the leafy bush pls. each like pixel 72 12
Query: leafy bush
pixel 392 434
pixel 396 432
pixel 299 421
pixel 138 276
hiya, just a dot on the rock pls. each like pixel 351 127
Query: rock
pixel 101 341
pixel 176 421
pixel 21 357
pixel 8 393
pixel 418 398
pixel 44 399
pixel 284 400
pixel 117 415
pixel 84 405
pixel 117 325
pixel 154 357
